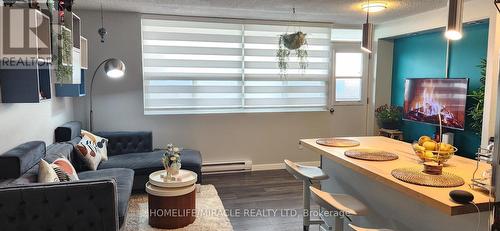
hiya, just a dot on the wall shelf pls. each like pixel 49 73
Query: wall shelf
pixel 79 60
pixel 29 82
pixel 72 90
pixel 25 85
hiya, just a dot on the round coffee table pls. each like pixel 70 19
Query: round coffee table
pixel 171 202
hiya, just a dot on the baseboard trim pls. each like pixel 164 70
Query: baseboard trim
pixel 277 166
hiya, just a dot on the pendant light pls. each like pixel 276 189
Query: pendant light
pixel 102 31
pixel 366 43
pixel 455 14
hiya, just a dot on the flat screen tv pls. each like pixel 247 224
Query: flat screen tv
pixel 425 98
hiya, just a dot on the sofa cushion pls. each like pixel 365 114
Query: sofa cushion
pixel 87 151
pixel 20 159
pixel 123 178
pixel 141 163
pixel 58 150
pixel 68 131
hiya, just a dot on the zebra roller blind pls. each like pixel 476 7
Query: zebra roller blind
pixel 204 67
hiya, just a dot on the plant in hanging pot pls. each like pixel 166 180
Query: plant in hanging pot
pixel 64 70
pixel 389 117
pixel 292 42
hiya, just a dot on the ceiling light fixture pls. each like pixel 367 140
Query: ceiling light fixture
pixel 455 15
pixel 366 43
pixel 374 6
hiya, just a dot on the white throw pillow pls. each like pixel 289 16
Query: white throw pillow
pixel 66 166
pixel 100 143
pixel 88 153
pixel 46 174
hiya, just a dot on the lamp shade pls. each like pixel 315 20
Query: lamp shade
pixel 114 68
pixel 455 15
pixel 366 43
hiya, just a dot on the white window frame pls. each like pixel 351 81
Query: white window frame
pixel 348 47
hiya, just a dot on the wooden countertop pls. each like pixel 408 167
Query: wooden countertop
pixel 381 172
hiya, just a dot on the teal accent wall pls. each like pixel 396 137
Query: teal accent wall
pixel 424 56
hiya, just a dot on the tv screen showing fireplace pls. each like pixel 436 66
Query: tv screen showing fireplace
pixel 425 98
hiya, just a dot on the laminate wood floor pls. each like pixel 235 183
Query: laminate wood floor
pixel 265 200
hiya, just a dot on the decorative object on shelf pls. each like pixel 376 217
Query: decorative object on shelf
pixel 9 3
pixel 114 68
pixel 417 176
pixel 371 154
pixel 102 31
pixel 172 161
pixel 337 142
pixel 429 150
pixel 475 111
pixel 455 15
pixel 68 5
pixel 292 42
pixel 366 42
pixel 393 134
pixel 389 117
pixel 33 4
pixel 60 10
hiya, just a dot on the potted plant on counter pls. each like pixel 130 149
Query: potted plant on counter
pixel 389 117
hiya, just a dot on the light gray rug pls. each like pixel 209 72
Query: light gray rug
pixel 210 216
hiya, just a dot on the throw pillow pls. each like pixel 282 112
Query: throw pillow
pixel 88 153
pixel 46 174
pixel 65 166
pixel 100 142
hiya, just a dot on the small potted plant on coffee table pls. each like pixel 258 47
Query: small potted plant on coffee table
pixel 172 161
pixel 389 117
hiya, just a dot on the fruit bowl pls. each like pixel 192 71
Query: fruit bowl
pixel 429 150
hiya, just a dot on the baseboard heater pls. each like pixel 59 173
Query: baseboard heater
pixel 226 167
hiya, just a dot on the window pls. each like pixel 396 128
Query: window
pixel 205 67
pixel 349 72
pixel 347 35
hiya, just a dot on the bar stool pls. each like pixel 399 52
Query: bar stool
pixel 338 203
pixel 356 228
pixel 306 174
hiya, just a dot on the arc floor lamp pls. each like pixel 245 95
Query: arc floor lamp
pixel 114 68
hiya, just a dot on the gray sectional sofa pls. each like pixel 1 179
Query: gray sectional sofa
pixel 98 201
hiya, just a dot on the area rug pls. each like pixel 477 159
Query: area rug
pixel 211 216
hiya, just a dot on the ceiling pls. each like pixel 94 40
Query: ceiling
pixel 336 11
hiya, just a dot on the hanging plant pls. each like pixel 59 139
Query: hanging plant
pixel 292 42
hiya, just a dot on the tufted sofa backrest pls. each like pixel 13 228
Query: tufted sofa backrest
pixel 128 142
pixel 78 206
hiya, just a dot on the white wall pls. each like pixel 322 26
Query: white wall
pixel 21 123
pixel 264 138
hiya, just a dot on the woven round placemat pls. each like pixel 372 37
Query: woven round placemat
pixel 337 142
pixel 371 154
pixel 417 176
